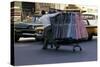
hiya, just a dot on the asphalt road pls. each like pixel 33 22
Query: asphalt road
pixel 30 52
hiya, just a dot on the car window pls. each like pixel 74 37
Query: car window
pixel 35 19
pixel 90 22
pixel 93 22
pixel 85 22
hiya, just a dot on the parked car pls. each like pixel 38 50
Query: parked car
pixel 91 26
pixel 25 29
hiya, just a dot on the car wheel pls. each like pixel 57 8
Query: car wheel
pixel 16 38
pixel 90 37
pixel 38 39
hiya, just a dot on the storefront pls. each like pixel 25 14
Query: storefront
pixel 20 10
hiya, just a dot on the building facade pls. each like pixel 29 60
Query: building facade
pixel 21 11
pixel 16 9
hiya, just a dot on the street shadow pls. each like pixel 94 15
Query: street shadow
pixel 66 50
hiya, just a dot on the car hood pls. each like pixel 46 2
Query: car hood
pixel 26 25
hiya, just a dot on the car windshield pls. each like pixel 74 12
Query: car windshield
pixel 35 20
pixel 90 22
pixel 91 18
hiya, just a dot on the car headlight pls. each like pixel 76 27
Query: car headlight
pixel 32 27
pixel 39 31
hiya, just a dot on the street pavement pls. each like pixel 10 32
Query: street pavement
pixel 30 52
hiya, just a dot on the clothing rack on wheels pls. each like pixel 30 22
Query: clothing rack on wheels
pixel 66 27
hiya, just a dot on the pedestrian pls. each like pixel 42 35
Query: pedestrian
pixel 45 20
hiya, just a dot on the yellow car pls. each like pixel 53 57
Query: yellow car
pixel 91 29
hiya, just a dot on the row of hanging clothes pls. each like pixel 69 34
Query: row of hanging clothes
pixel 68 25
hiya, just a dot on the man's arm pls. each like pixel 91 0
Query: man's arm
pixel 54 14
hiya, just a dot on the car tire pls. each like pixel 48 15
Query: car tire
pixel 16 38
pixel 37 39
pixel 90 37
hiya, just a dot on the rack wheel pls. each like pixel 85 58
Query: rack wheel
pixel 78 47
pixel 57 47
pixel 73 50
